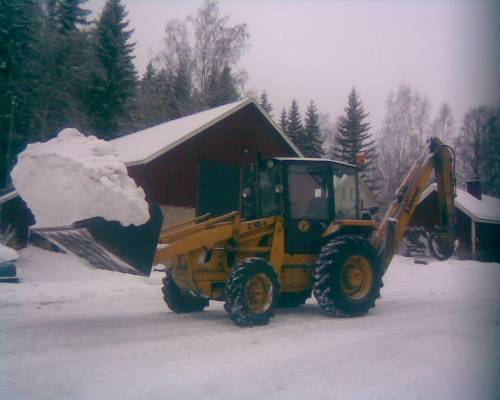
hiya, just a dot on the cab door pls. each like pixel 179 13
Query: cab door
pixel 309 205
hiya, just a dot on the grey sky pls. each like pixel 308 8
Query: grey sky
pixel 447 50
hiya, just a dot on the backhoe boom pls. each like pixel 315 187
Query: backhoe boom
pixel 440 158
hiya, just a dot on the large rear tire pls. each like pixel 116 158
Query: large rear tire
pixel 178 301
pixel 347 277
pixel 251 292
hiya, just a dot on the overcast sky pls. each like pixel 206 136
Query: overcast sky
pixel 447 50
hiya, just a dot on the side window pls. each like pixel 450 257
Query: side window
pixel 344 186
pixel 269 203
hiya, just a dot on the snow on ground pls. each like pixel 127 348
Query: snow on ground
pixel 71 332
pixel 7 254
pixel 74 177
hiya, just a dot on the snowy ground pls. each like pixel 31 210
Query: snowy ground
pixel 70 332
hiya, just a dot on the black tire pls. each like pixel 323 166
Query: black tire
pixel 251 292
pixel 292 300
pixel 178 301
pixel 439 247
pixel 347 276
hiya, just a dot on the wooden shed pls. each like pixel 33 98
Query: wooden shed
pixel 196 164
pixel 477 217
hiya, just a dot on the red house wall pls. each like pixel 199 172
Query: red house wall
pixel 171 179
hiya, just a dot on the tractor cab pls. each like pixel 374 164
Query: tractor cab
pixel 308 193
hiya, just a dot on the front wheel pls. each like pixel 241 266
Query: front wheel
pixel 178 301
pixel 251 292
pixel 347 277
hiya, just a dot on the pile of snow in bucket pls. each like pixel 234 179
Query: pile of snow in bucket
pixel 74 177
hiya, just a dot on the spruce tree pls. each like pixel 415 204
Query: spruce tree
pixel 182 91
pixel 18 41
pixel 149 110
pixel 70 55
pixel 69 14
pixel 114 79
pixel 353 137
pixel 222 88
pixel 294 127
pixel 266 105
pixel 313 141
pixel 283 120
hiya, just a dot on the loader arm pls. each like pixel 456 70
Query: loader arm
pixel 439 158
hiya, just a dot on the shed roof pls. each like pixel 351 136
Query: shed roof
pixel 486 210
pixel 144 146
pixel 8 196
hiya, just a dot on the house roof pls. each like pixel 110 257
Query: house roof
pixel 310 159
pixel 8 196
pixel 486 210
pixel 144 146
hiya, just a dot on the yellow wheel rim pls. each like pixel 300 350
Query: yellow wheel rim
pixel 259 293
pixel 356 277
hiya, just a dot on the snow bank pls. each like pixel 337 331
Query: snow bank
pixel 73 177
pixel 7 254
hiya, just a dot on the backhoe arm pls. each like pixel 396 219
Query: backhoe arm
pixel 440 158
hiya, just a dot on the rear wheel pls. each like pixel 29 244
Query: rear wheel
pixel 178 301
pixel 347 277
pixel 251 292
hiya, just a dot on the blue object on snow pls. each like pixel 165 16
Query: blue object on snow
pixel 8 272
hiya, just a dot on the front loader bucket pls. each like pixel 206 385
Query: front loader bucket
pixel 109 245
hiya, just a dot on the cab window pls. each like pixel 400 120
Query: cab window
pixel 308 192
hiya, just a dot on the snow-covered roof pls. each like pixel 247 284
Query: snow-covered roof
pixel 144 146
pixel 486 210
pixel 8 196
pixel 323 160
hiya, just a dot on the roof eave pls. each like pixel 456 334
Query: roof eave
pixel 277 128
pixel 211 123
pixel 189 136
pixel 476 218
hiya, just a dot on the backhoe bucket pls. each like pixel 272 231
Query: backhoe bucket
pixel 109 245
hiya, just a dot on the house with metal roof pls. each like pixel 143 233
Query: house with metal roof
pixel 477 217
pixel 196 164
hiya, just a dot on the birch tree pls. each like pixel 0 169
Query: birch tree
pixel 403 136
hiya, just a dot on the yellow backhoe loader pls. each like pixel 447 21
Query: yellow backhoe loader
pixel 300 230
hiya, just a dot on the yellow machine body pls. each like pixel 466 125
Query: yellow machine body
pixel 201 252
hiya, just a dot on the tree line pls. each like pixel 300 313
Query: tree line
pixel 389 152
pixel 58 68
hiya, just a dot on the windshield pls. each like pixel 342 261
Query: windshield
pixel 344 186
pixel 308 192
